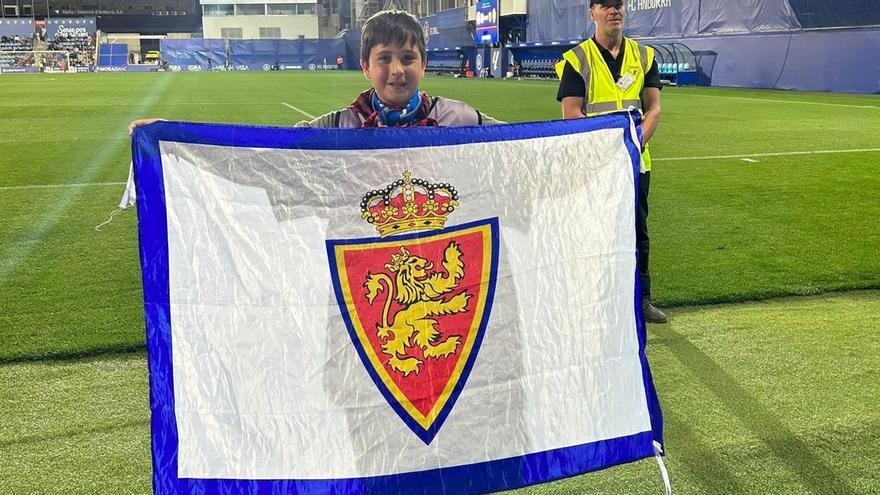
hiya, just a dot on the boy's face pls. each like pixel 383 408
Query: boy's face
pixel 395 71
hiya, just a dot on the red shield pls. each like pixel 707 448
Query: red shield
pixel 416 308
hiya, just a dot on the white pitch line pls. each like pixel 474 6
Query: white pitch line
pixel 60 186
pixel 307 114
pixel 797 102
pixel 752 155
pixel 750 160
pixel 11 254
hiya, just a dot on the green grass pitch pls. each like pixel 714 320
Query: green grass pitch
pixel 756 196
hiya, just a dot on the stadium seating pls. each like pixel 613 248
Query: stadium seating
pixel 538 67
pixel 443 65
pixel 81 48
pixel 15 43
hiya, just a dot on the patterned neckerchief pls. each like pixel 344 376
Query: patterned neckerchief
pixel 363 105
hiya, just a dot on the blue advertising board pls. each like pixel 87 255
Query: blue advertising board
pixel 487 22
pixel 447 29
pixel 498 62
pixel 301 54
pixel 16 27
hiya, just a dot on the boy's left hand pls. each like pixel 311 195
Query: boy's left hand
pixel 140 122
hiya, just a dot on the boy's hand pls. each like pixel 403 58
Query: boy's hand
pixel 140 122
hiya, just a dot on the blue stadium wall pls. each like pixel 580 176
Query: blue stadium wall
pixel 745 43
pixel 188 55
pixel 840 60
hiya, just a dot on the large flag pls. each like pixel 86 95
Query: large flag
pixel 391 311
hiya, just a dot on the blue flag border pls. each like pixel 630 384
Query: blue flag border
pixel 485 477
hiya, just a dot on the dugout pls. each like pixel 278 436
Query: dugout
pixel 676 62
pixel 450 60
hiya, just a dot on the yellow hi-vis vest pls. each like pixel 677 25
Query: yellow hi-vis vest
pixel 603 93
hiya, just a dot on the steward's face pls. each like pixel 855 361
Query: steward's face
pixel 395 71
pixel 608 17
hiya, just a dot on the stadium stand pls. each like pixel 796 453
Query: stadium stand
pixel 11 48
pixel 81 48
pixel 16 43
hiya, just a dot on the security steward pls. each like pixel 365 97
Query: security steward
pixel 609 73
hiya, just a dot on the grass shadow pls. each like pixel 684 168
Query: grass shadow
pixel 794 453
pixel 29 439
pixel 62 356
pixel 698 457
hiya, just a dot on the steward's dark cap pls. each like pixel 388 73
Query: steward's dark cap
pixel 610 3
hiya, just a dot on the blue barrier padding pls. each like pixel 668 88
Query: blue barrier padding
pixel 193 54
pixel 839 60
pixel 301 54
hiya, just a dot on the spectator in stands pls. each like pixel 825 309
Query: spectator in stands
pixel 634 81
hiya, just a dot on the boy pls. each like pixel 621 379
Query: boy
pixel 393 58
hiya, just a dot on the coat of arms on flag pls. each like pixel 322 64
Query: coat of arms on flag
pixel 426 311
pixel 416 300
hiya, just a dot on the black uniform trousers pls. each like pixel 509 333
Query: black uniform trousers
pixel 643 244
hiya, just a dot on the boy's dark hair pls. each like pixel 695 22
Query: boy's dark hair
pixel 392 27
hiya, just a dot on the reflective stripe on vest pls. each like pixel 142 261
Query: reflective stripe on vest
pixel 643 58
pixel 611 106
pixel 583 66
pixel 603 94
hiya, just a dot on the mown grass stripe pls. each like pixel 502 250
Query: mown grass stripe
pixel 752 155
pixel 770 100
pixel 60 186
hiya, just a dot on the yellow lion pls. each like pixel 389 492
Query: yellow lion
pixel 421 294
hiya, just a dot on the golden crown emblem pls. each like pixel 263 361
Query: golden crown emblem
pixel 409 205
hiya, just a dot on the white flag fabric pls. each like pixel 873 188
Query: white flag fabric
pixel 391 311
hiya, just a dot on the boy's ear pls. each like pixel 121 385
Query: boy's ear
pixel 365 67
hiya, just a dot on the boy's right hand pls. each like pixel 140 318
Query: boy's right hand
pixel 140 122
